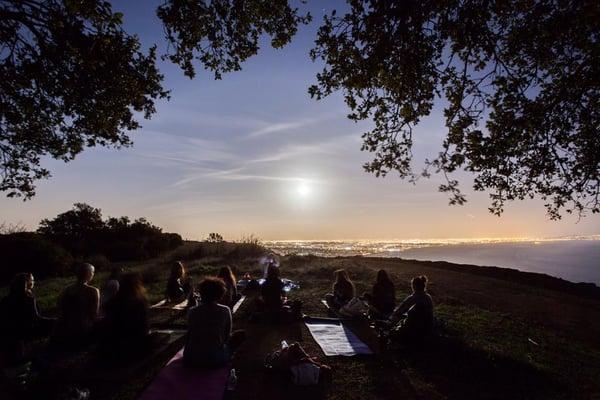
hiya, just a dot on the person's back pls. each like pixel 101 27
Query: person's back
pixel 420 315
pixel 384 297
pixel 78 308
pixel 419 311
pixel 343 291
pixel 209 328
pixel 271 292
pixel 125 326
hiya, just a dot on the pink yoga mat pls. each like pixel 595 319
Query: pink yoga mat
pixel 175 382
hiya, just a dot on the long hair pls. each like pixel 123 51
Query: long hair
pixel 131 286
pixel 18 286
pixel 341 277
pixel 177 271
pixel 227 275
pixel 383 278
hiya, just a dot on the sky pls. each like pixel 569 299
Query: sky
pixel 253 154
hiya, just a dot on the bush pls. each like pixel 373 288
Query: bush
pixel 30 252
pixel 83 232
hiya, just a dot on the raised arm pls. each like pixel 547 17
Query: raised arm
pixel 402 308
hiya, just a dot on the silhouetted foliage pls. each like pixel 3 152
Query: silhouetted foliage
pixel 83 232
pixel 71 78
pixel 222 34
pixel 519 79
pixel 214 238
pixel 30 252
pixel 528 70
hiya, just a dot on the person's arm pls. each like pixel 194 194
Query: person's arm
pixel 94 304
pixel 402 308
pixel 227 324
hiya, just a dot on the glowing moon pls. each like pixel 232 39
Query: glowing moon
pixel 303 189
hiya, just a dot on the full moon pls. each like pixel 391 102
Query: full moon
pixel 303 189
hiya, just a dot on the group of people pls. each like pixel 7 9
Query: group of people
pixel 117 318
pixel 411 320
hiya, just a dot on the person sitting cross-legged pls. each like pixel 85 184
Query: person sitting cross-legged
pixel 413 318
pixel 210 343
pixel 21 320
pixel 343 290
pixel 78 310
pixel 125 328
pixel 382 299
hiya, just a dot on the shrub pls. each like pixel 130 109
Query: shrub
pixel 30 252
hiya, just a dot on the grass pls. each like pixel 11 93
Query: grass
pixel 502 338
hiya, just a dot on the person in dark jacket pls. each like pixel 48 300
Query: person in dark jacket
pixel 21 320
pixel 382 299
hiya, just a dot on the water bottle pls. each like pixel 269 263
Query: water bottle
pixel 232 381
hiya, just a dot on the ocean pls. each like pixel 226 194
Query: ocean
pixel 575 259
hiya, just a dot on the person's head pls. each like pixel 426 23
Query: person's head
pixel 272 272
pixel 177 270
pixel 383 277
pixel 84 272
pixel 115 273
pixel 341 275
pixel 211 290
pixel 131 285
pixel 226 274
pixel 419 284
pixel 22 284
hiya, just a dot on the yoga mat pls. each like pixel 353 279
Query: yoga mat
pixel 164 304
pixel 334 338
pixel 237 305
pixel 175 382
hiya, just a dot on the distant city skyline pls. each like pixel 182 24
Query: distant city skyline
pixel 253 154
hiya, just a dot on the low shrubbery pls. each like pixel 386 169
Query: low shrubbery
pixel 28 251
pixel 81 234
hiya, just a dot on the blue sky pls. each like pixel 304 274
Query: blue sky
pixel 253 154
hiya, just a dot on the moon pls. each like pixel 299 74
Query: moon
pixel 303 189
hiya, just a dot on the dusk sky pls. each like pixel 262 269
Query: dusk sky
pixel 254 154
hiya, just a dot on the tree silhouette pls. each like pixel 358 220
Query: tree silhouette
pixel 71 78
pixel 519 80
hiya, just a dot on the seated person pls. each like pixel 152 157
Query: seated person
pixel 271 291
pixel 343 290
pixel 210 342
pixel 22 320
pixel 125 328
pixel 78 309
pixel 274 302
pixel 231 295
pixel 179 286
pixel 111 287
pixel 382 299
pixel 418 322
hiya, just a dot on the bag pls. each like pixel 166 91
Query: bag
pixel 354 308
